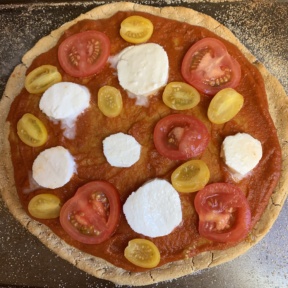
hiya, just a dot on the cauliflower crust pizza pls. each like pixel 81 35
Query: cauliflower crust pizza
pixel 143 144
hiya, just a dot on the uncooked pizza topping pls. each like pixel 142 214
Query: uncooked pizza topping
pixel 64 102
pixel 224 213
pixel 84 54
pixel 44 206
pixel 92 214
pixel 121 150
pixel 105 188
pixel 180 96
pixel 224 106
pixel 53 167
pixel 41 78
pixel 31 130
pixel 136 29
pixel 209 67
pixel 191 176
pixel 142 70
pixel 110 101
pixel 241 153
pixel 143 253
pixel 154 210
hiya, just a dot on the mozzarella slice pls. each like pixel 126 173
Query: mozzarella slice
pixel 241 153
pixel 53 167
pixel 154 210
pixel 142 70
pixel 64 102
pixel 121 150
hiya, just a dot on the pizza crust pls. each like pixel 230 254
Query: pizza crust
pixel 100 268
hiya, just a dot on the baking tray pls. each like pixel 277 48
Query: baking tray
pixel 262 27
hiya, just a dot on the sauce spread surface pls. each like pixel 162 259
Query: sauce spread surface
pixel 138 121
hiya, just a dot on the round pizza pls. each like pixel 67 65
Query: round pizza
pixel 143 144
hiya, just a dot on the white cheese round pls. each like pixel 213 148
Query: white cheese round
pixel 65 101
pixel 53 167
pixel 121 150
pixel 154 210
pixel 241 153
pixel 142 70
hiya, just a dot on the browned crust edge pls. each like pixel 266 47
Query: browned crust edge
pixel 98 267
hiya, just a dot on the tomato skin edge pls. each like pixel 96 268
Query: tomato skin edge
pixel 147 23
pixel 113 220
pixel 243 220
pixel 160 135
pixel 39 71
pixel 86 73
pixel 117 98
pixel 182 86
pixel 231 62
pixel 192 184
pixel 219 101
pixel 28 118
pixel 128 253
pixel 47 214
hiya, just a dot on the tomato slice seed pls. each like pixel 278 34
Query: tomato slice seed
pixel 175 135
pixel 82 225
pixel 198 56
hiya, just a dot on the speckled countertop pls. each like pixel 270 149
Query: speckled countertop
pixel 262 26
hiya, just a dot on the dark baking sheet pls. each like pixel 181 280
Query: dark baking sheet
pixel 262 27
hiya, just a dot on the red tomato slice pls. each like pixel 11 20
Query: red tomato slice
pixel 180 137
pixel 92 215
pixel 84 54
pixel 208 67
pixel 224 213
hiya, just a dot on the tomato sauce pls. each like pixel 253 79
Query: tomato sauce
pixel 92 127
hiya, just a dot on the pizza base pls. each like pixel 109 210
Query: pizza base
pixel 278 107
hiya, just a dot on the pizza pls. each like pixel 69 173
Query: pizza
pixel 98 177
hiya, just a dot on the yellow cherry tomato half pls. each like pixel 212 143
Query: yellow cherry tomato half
pixel 180 96
pixel 41 78
pixel 142 253
pixel 136 29
pixel 191 176
pixel 110 101
pixel 31 130
pixel 225 105
pixel 44 206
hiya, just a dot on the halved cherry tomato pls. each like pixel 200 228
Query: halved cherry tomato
pixel 142 253
pixel 190 176
pixel 110 101
pixel 208 67
pixel 31 130
pixel 136 29
pixel 44 206
pixel 180 137
pixel 224 213
pixel 41 78
pixel 84 54
pixel 180 96
pixel 92 215
pixel 225 105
